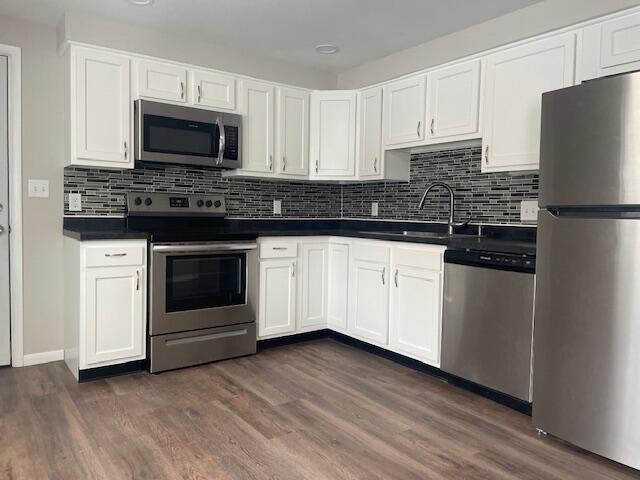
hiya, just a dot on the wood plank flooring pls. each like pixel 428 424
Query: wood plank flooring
pixel 314 410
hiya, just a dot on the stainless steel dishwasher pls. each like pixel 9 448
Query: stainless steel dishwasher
pixel 488 319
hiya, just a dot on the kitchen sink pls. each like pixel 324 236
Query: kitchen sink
pixel 422 234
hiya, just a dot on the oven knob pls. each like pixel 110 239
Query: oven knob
pixel 148 201
pixel 138 201
pixel 209 203
pixel 217 203
pixel 200 203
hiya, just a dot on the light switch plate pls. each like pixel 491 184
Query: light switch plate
pixel 529 210
pixel 39 188
pixel 374 209
pixel 75 202
pixel 277 207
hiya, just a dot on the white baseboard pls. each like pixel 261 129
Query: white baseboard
pixel 43 357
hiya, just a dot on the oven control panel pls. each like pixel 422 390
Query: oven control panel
pixel 178 204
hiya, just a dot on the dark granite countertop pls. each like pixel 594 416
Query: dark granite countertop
pixel 519 240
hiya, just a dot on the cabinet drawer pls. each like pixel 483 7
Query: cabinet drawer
pixel 425 258
pixel 284 249
pixel 113 255
pixel 368 252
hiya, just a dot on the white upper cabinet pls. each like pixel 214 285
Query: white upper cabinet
pixel 162 81
pixel 292 158
pixel 257 122
pixel 514 83
pixel 611 47
pixel 213 90
pixel 101 109
pixel 370 151
pixel 333 134
pixel 453 103
pixel 404 111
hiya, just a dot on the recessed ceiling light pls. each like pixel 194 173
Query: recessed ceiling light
pixel 327 49
pixel 141 2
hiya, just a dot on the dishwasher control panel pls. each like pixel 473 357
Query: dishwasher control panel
pixel 496 260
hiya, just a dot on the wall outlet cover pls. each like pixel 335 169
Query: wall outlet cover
pixel 39 188
pixel 374 209
pixel 75 202
pixel 277 207
pixel 529 210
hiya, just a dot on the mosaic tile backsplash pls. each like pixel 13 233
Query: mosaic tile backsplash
pixel 480 197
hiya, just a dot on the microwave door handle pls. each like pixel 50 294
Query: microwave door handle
pixel 222 142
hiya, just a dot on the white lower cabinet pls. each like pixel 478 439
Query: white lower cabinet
pixel 314 271
pixel 369 301
pixel 105 303
pixel 277 303
pixel 338 287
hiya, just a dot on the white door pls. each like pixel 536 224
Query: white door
pixel 416 306
pixel 277 304
pixel 314 285
pixel 293 132
pixel 338 286
pixel 515 82
pixel 162 81
pixel 214 90
pixel 5 319
pixel 333 134
pixel 369 301
pixel 404 111
pixel 257 124
pixel 453 102
pixel 115 321
pixel 370 161
pixel 103 109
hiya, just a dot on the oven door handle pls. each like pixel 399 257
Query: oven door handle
pixel 226 247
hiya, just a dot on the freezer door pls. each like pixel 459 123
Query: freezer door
pixel 590 144
pixel 586 371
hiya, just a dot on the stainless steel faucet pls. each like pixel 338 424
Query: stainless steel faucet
pixel 451 224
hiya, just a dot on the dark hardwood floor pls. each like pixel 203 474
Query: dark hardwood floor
pixel 315 410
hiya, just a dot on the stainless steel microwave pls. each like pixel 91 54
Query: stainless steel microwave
pixel 167 133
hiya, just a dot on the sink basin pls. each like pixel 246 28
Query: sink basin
pixel 422 234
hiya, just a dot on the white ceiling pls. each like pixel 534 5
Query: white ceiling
pixel 289 29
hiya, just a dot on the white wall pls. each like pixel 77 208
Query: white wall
pixel 524 23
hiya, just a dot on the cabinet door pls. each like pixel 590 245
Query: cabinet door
pixel 214 90
pixel 416 313
pixel 277 304
pixel 370 161
pixel 115 320
pixel 314 285
pixel 453 102
pixel 369 301
pixel 103 110
pixel 515 82
pixel 162 81
pixel 404 111
pixel 293 132
pixel 333 134
pixel 338 287
pixel 257 122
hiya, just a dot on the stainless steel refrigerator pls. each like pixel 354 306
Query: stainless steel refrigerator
pixel 587 320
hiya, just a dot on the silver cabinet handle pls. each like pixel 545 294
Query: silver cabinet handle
pixel 182 90
pixel 486 154
pixel 384 270
pixel 433 121
pixel 137 280
pixel 279 248
pixel 222 142
pixel 270 162
pixel 375 164
pixel 126 150
pixel 395 278
pixel 284 163
pixel 317 165
pixel 1 207
pixel 418 128
pixel 199 93
pixel 115 254
pixel 293 270
pixel 1 229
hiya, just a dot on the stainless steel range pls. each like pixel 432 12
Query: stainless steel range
pixel 198 302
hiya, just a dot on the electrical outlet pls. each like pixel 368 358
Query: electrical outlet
pixel 374 209
pixel 39 188
pixel 277 207
pixel 75 202
pixel 529 210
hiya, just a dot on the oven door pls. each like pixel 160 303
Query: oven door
pixel 196 286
